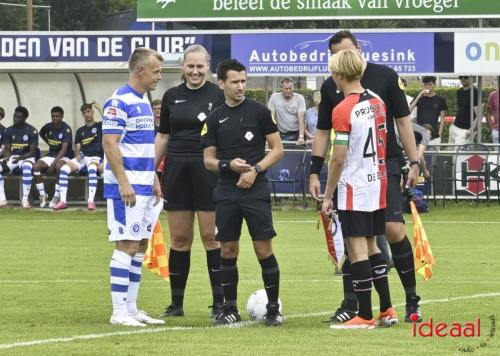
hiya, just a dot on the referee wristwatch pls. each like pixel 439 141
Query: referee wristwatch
pixel 412 163
pixel 258 169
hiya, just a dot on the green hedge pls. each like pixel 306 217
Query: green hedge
pixel 448 93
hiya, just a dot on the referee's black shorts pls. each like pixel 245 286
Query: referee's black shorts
pixel 362 223
pixel 394 208
pixel 188 185
pixel 233 204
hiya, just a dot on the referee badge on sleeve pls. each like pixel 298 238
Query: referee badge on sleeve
pixel 204 130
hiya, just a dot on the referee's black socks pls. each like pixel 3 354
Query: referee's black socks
pixel 178 265
pixel 229 279
pixel 271 278
pixel 213 265
pixel 380 281
pixel 402 255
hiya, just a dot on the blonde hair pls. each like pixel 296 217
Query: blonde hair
pixel 196 49
pixel 140 56
pixel 349 63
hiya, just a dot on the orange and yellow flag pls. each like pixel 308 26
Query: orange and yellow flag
pixel 422 249
pixel 156 258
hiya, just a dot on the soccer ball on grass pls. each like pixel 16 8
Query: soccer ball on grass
pixel 256 305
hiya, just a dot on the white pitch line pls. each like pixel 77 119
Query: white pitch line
pixel 187 328
pixel 276 221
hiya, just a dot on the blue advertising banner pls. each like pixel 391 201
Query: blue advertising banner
pixel 307 53
pixel 90 48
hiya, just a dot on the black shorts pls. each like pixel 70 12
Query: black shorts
pixel 362 223
pixel 188 185
pixel 394 207
pixel 233 204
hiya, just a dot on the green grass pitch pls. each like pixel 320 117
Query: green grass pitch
pixel 54 291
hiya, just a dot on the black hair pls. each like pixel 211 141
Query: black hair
pixel 429 79
pixel 227 65
pixel 57 109
pixel 23 111
pixel 340 36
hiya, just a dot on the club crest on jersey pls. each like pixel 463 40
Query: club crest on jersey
pixel 135 228
pixel 60 135
pixel 94 130
pixel 202 116
pixel 120 230
pixel 249 136
pixel 25 138
pixel 112 111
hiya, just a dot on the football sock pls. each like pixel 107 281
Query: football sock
pixel 27 179
pixel 92 182
pixel 380 280
pixel 2 188
pixel 362 285
pixel 402 255
pixel 271 278
pixel 57 191
pixel 39 186
pixel 213 265
pixel 63 182
pixel 134 277
pixel 119 270
pixel 349 295
pixel 229 279
pixel 178 265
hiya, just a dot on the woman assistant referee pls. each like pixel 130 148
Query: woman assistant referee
pixel 187 185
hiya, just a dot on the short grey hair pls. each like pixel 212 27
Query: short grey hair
pixel 140 56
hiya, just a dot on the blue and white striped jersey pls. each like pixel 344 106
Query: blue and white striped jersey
pixel 129 114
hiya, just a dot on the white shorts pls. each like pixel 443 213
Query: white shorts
pixel 137 223
pixel 86 161
pixel 458 136
pixel 49 160
pixel 19 164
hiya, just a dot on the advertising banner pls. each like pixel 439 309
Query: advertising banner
pixel 477 53
pixel 308 53
pixel 62 49
pixel 248 10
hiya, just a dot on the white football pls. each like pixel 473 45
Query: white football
pixel 256 305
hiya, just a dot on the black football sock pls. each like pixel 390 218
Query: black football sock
pixel 402 255
pixel 213 265
pixel 380 280
pixel 178 265
pixel 349 295
pixel 362 285
pixel 229 279
pixel 271 278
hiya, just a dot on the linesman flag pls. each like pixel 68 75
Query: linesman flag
pixel 156 258
pixel 334 238
pixel 422 254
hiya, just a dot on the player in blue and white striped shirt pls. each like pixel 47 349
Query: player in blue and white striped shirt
pixel 131 186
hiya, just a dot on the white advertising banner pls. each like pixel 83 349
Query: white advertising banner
pixel 477 53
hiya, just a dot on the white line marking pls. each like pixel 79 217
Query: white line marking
pixel 275 221
pixel 184 328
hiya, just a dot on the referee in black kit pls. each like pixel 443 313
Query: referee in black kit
pixel 187 185
pixel 234 140
pixel 388 86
